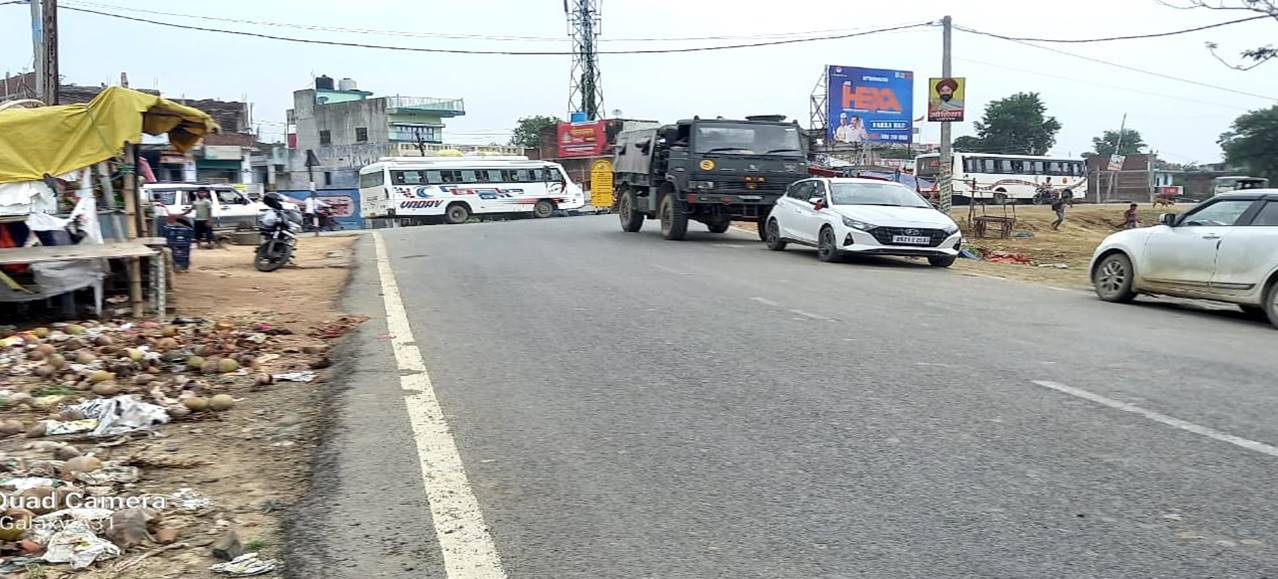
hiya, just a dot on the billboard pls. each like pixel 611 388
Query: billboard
pixel 586 139
pixel 945 99
pixel 870 105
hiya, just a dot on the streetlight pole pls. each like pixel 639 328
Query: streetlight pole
pixel 947 155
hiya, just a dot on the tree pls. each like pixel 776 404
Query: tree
pixel 967 144
pixel 1251 57
pixel 1017 124
pixel 1105 145
pixel 528 132
pixel 1251 142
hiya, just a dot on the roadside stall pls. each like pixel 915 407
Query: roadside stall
pixel 69 198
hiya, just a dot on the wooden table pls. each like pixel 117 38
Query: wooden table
pixel 131 250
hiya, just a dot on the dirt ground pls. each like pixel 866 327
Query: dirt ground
pixel 251 461
pixel 1072 244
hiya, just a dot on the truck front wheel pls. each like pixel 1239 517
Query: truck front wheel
pixel 674 222
pixel 631 219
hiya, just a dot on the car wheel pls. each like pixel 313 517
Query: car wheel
pixel 1255 312
pixel 827 248
pixel 941 261
pixel 1271 304
pixel 631 220
pixel 773 236
pixel 1113 278
pixel 760 226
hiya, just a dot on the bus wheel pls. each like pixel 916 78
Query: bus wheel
pixel 543 209
pixel 457 213
pixel 1000 198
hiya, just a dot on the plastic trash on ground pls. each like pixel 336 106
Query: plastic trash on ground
pixel 305 376
pixel 76 544
pixel 112 473
pixel 122 414
pixel 56 427
pixel 189 499
pixel 27 483
pixel 246 565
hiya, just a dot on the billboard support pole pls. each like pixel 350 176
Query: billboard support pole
pixel 947 155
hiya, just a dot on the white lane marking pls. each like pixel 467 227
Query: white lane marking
pixel 810 315
pixel 667 269
pixel 740 230
pixel 765 301
pixel 732 245
pixel 1161 418
pixel 469 551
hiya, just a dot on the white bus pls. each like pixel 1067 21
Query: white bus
pixel 418 190
pixel 1001 178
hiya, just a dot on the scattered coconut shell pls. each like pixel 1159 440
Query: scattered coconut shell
pixel 21 525
pixel 73 344
pixel 35 356
pixel 56 360
pixel 40 499
pixel 70 415
pixel 209 366
pixel 195 362
pixel 79 464
pixel 178 411
pixel 206 350
pixel 166 344
pixel 11 427
pixel 100 376
pixel 196 403
pixel 45 370
pixel 46 349
pixel 41 333
pixel 135 354
pixel 227 365
pixel 18 398
pixel 169 331
pixel 85 357
pixel 66 452
pixel 143 379
pixel 106 389
pixel 103 340
pixel 74 329
pixel 321 363
pixel 264 379
pixel 221 402
pixel 36 431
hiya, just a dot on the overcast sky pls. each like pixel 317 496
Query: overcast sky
pixel 1181 121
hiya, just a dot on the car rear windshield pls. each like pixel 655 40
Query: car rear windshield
pixel 889 194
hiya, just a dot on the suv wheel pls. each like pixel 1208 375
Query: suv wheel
pixel 1113 278
pixel 1271 304
pixel 827 248
pixel 773 236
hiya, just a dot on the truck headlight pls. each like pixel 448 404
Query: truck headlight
pixel 701 184
pixel 855 224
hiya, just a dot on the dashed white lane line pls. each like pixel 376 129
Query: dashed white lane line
pixel 1162 418
pixel 810 315
pixel 469 551
pixel 668 269
pixel 765 301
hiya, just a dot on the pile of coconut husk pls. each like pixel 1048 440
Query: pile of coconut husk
pixel 76 402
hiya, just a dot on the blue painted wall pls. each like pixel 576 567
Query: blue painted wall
pixel 345 203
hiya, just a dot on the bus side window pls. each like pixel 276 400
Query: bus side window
pixel 450 176
pixel 434 177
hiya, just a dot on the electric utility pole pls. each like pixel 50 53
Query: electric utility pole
pixel 37 48
pixel 947 155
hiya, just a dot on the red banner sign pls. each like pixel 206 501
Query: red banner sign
pixel 582 139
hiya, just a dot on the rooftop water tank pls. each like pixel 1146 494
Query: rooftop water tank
pixel 324 83
pixel 347 84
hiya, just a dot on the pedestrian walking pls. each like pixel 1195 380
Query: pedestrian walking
pixel 1130 219
pixel 1060 204
pixel 314 206
pixel 202 206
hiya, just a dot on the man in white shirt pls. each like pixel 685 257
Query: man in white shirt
pixel 313 206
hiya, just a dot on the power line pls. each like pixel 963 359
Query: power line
pixel 1123 66
pixel 489 37
pixel 1094 83
pixel 1114 38
pixel 496 52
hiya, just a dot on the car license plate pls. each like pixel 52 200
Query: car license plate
pixel 911 239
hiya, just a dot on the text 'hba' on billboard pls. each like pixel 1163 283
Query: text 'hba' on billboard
pixel 870 105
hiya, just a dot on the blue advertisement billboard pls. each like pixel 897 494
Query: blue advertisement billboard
pixel 344 204
pixel 870 105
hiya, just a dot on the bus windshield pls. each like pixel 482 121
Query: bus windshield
pixel 927 167
pixel 748 139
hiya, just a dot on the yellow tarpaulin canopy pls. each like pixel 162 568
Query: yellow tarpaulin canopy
pixel 57 140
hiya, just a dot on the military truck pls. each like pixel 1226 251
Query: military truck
pixel 714 171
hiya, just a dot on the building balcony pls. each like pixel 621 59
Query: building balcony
pixel 426 105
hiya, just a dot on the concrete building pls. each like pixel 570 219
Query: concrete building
pixel 345 128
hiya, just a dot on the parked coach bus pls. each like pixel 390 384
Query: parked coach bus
pixel 1004 178
pixel 417 190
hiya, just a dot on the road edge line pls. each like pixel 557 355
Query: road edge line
pixel 468 549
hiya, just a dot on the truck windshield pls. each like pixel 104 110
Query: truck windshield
pixel 748 139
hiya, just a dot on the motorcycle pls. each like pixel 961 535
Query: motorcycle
pixel 279 227
pixel 326 222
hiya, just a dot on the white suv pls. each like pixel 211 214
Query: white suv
pixel 862 216
pixel 1225 250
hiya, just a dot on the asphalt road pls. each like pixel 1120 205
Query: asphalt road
pixel 627 407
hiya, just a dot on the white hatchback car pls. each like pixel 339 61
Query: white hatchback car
pixel 1226 249
pixel 862 216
